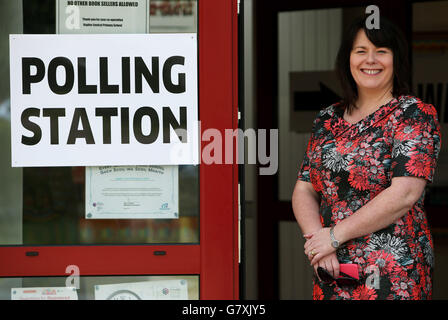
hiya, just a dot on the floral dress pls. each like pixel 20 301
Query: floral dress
pixel 348 165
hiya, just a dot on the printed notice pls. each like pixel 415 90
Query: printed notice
pixel 132 192
pixel 103 16
pixel 147 290
pixel 52 293
pixel 90 100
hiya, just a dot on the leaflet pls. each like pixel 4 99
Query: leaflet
pixel 49 293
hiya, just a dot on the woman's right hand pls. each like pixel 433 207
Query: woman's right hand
pixel 329 263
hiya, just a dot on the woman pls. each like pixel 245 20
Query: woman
pixel 360 189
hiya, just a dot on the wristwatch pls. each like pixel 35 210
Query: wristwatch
pixel 334 242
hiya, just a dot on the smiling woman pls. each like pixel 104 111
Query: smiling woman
pixel 360 189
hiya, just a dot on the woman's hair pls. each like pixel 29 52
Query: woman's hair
pixel 388 36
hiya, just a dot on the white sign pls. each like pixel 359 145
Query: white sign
pixel 51 293
pixel 105 16
pixel 98 100
pixel 138 192
pixel 148 290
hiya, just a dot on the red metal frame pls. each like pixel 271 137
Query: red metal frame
pixel 99 260
pixel 218 96
pixel 215 259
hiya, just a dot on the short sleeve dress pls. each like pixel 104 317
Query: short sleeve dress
pixel 348 165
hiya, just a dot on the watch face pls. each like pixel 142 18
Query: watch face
pixel 335 244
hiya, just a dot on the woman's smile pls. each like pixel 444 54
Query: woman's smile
pixel 371 72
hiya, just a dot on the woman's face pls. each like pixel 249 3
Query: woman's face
pixel 371 67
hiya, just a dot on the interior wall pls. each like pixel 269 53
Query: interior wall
pixel 308 41
pixel 430 67
pixel 429 16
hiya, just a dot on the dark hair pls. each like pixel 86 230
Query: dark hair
pixel 389 36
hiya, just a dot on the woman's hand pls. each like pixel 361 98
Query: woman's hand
pixel 318 245
pixel 329 263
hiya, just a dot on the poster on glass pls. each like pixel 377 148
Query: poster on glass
pixel 46 293
pixel 105 16
pixel 132 192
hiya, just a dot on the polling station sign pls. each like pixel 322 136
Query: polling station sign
pixel 93 100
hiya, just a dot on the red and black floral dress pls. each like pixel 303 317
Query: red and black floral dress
pixel 348 165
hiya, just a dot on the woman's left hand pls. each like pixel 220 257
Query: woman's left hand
pixel 318 243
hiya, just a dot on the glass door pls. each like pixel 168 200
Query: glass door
pixel 52 248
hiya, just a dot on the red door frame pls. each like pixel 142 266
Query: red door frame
pixel 215 259
pixel 218 98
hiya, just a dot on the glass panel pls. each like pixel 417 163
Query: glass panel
pixel 11 178
pixel 54 212
pixel 49 207
pixel 101 288
pixel 308 44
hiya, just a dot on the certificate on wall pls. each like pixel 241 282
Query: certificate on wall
pixel 53 293
pixel 132 192
pixel 147 290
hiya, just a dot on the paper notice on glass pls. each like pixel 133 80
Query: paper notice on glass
pixel 173 16
pixel 147 290
pixel 105 16
pixel 50 293
pixel 132 192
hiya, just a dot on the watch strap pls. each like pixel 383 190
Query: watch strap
pixel 333 239
pixel 332 234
